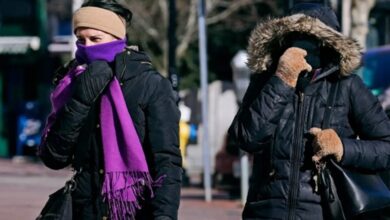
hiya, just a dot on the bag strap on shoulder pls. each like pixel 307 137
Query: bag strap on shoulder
pixel 329 193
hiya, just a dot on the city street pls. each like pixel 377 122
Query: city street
pixel 24 188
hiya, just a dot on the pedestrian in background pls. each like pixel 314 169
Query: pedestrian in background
pixel 115 121
pixel 296 59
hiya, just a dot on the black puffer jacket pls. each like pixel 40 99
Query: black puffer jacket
pixel 152 106
pixel 274 120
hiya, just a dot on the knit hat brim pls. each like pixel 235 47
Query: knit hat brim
pixel 100 19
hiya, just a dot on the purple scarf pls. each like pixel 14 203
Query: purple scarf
pixel 60 96
pixel 126 171
pixel 106 51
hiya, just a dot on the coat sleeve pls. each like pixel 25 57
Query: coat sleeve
pixel 263 105
pixel 372 149
pixel 162 115
pixel 57 144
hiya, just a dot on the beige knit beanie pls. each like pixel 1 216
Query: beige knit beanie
pixel 100 19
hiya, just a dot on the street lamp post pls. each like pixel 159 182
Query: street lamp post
pixel 204 88
pixel 76 5
pixel 172 44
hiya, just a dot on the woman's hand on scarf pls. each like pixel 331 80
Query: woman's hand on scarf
pixel 291 64
pixel 326 142
pixel 90 84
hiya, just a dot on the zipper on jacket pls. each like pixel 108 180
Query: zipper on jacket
pixel 296 158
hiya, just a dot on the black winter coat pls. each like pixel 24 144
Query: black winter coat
pixel 274 120
pixel 151 102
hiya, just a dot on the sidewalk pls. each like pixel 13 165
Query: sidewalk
pixel 24 189
pixel 193 206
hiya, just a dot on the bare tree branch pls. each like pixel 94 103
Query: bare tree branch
pixel 360 14
pixel 233 7
pixel 151 20
pixel 190 30
pixel 147 28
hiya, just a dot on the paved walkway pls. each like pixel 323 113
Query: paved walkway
pixel 24 188
pixel 193 206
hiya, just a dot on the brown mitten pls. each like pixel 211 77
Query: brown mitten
pixel 326 142
pixel 291 64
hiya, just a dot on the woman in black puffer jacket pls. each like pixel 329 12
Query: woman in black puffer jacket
pixel 296 59
pixel 86 124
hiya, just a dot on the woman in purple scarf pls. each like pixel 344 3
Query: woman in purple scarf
pixel 115 120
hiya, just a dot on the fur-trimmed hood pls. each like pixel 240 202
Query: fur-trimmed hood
pixel 268 36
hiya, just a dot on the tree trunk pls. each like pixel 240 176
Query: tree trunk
pixel 360 15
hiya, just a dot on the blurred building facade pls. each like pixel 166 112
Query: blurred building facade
pixel 28 29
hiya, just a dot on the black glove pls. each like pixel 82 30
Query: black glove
pixel 87 88
pixel 90 84
pixel 56 151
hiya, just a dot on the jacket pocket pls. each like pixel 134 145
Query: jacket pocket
pixel 257 209
pixel 257 204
